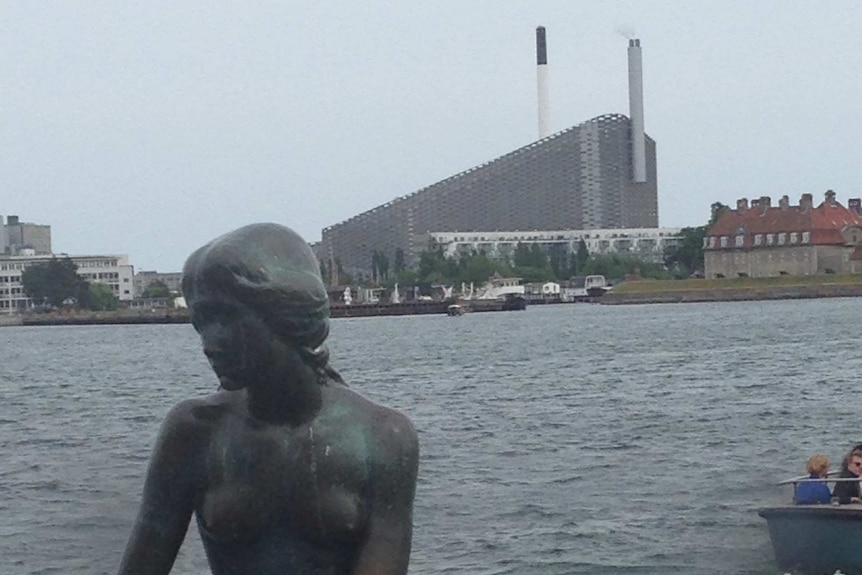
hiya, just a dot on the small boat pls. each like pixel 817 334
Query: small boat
pixel 816 539
pixel 514 302
pixel 455 309
pixel 596 286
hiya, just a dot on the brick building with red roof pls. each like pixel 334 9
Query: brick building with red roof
pixel 761 240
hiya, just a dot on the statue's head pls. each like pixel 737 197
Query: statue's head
pixel 269 269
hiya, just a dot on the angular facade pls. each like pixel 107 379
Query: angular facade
pixel 577 179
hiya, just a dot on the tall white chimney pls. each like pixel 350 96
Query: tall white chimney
pixel 636 111
pixel 542 76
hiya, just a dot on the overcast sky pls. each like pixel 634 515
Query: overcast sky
pixel 149 128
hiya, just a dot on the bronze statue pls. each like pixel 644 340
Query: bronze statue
pixel 287 470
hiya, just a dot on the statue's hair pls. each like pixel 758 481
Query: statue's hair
pixel 272 270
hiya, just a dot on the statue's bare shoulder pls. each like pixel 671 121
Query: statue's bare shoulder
pixel 392 436
pixel 192 420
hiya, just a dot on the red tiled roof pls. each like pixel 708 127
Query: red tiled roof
pixel 825 222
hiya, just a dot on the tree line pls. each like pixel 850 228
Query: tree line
pixel 56 284
pixel 532 263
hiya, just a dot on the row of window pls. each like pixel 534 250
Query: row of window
pixel 20 266
pixel 781 239
pixel 7 294
pixel 96 263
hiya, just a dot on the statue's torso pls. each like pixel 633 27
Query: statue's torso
pixel 276 499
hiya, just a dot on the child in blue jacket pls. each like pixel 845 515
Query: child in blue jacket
pixel 812 492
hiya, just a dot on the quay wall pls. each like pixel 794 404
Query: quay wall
pixel 734 294
pixel 178 316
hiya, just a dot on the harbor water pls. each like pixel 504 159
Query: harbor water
pixel 564 439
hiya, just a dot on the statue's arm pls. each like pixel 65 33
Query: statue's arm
pixel 168 498
pixel 386 550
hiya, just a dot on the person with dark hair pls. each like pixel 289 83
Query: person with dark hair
pixel 851 467
pixel 286 469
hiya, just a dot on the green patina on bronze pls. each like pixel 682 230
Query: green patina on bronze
pixel 271 269
pixel 283 475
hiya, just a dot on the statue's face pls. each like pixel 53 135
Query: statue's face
pixel 239 345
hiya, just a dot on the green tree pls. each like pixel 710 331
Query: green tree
pixel 557 259
pixel 156 289
pixel 102 298
pixel 54 282
pixel 538 257
pixel 342 278
pixel 522 255
pixel 578 260
pixel 383 267
pixel 717 210
pixel 686 258
pixel 617 266
pixel 399 261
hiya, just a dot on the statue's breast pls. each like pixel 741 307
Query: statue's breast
pixel 281 479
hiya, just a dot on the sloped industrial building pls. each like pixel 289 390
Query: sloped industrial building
pixel 578 179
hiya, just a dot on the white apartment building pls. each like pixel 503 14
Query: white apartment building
pixel 113 270
pixel 645 243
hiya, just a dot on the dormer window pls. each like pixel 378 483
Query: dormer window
pixel 794 238
pixel 724 241
pixel 740 240
pixel 758 239
pixel 712 241
pixel 806 237
pixel 770 239
pixel 782 239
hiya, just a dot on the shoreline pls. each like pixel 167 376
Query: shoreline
pixel 727 294
pixel 666 296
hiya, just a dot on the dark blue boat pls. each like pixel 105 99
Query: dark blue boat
pixel 816 539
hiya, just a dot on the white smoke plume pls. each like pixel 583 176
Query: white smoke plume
pixel 625 31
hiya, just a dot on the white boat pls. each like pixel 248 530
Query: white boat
pixel 455 309
pixel 596 285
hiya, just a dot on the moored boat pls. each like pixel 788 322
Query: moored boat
pixel 455 309
pixel 815 539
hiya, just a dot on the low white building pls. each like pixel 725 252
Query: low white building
pixel 645 243
pixel 115 271
pixel 173 281
pixel 542 289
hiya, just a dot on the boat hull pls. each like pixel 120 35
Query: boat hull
pixel 816 539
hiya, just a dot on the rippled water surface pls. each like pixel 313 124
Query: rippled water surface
pixel 565 439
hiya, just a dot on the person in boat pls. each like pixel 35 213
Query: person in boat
pixel 814 492
pixel 851 467
pixel 286 469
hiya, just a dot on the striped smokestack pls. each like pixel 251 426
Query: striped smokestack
pixel 636 111
pixel 542 76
